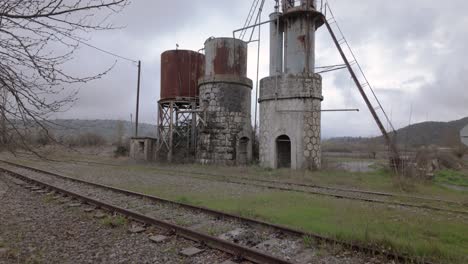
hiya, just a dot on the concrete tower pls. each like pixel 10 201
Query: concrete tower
pixel 225 132
pixel 290 98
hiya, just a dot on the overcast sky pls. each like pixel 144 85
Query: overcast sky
pixel 413 53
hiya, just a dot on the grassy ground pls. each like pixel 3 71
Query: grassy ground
pixel 434 235
pixel 378 180
pixel 429 235
pixel 457 178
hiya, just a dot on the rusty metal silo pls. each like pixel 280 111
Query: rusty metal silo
pixel 180 71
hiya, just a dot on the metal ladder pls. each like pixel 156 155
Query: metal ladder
pixel 359 78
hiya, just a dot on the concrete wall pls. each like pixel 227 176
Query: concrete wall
pixel 291 109
pixel 227 120
pixel 225 131
pixel 276 44
pixel 290 99
pixel 142 149
pixel 299 44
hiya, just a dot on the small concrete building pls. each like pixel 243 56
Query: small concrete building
pixel 143 148
pixel 225 129
pixel 290 98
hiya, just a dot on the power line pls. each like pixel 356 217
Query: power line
pixel 102 50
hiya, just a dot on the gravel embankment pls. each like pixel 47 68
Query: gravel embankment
pixel 36 228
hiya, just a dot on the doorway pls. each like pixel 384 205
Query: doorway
pixel 243 151
pixel 283 151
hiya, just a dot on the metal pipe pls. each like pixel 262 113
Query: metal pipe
pixel 323 110
pixel 260 9
pixel 332 69
pixel 258 69
pixel 259 24
pixel 279 38
pixel 171 132
pixel 276 45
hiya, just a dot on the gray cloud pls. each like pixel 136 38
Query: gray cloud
pixel 412 51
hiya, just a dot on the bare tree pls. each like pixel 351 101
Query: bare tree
pixel 33 83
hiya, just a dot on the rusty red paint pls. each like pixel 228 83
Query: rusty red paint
pixel 302 40
pixel 180 71
pixel 227 56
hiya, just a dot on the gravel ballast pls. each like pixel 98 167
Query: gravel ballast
pixel 41 228
pixel 264 239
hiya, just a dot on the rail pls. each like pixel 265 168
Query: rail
pixel 213 242
pixel 247 253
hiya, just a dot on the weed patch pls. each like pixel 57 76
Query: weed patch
pixel 452 177
pixel 114 222
pixel 308 241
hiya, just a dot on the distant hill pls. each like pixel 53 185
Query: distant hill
pixel 433 133
pixel 444 134
pixel 108 129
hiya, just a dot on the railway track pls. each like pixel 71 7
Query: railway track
pixel 242 237
pixel 423 203
pixel 392 199
pixel 337 189
pixel 78 225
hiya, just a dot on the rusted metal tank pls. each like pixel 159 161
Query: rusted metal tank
pixel 180 71
pixel 225 56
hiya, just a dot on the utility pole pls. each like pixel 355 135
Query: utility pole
pixel 138 99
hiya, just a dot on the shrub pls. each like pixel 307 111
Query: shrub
pixel 86 140
pixel 91 139
pixel 121 151
pixel 460 151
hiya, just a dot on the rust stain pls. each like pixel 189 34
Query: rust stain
pixel 180 71
pixel 230 59
pixel 302 40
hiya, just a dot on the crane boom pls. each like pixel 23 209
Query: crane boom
pixel 395 156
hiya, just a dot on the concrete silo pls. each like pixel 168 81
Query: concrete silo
pixel 225 130
pixel 290 98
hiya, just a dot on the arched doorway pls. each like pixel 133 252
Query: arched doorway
pixel 283 152
pixel 243 153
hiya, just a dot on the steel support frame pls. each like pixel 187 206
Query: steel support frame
pixel 177 122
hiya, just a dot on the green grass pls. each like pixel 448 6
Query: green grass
pixel 441 237
pixel 432 236
pixel 48 199
pixel 381 179
pixel 12 254
pixel 114 221
pixel 308 241
pixel 452 177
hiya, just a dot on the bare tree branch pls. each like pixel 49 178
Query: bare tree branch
pixel 33 83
